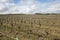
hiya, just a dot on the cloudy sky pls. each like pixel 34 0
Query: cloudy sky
pixel 29 6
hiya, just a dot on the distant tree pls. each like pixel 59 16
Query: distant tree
pixel 38 13
pixel 47 13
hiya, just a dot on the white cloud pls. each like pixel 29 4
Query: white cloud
pixel 29 6
pixel 22 7
pixel 3 0
pixel 1 7
pixel 52 7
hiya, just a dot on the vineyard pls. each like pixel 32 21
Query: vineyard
pixel 30 27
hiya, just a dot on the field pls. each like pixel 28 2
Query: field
pixel 30 27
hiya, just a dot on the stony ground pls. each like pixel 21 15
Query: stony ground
pixel 30 27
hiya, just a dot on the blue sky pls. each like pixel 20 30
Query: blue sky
pixel 44 1
pixel 29 6
pixel 15 1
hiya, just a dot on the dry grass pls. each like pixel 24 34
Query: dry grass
pixel 30 27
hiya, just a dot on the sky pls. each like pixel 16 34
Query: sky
pixel 29 6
